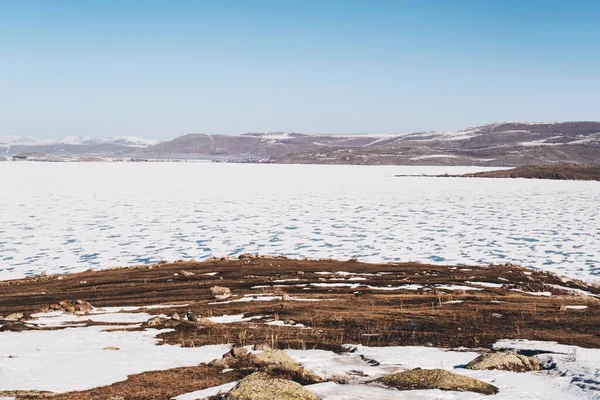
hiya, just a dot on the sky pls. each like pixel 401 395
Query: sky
pixel 161 69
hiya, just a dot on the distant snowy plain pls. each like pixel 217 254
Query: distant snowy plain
pixel 68 217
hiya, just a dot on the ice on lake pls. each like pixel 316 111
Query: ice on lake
pixel 67 217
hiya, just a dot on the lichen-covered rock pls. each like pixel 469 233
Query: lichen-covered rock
pixel 220 292
pixel 260 386
pixel 276 357
pixel 436 379
pixel 505 361
pixel 277 362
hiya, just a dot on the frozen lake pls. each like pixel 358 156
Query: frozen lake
pixel 66 217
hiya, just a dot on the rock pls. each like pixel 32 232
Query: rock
pixel 286 297
pixel 219 363
pixel 505 361
pixel 220 292
pixel 277 357
pixel 155 321
pixel 186 273
pixel 246 256
pixel 238 351
pixel 277 362
pixel 289 322
pixel 260 386
pixel 14 317
pixel 436 379
pixel 204 321
pixel 73 306
pixel 15 327
pixel 190 316
pixel 261 347
pixel 111 348
pixel 175 317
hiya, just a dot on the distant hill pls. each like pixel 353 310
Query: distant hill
pixel 498 144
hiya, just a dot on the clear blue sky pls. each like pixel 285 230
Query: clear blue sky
pixel 165 68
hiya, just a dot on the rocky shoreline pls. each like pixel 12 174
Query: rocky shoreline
pixel 570 172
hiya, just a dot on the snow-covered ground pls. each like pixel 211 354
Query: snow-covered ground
pixel 65 218
pixel 29 360
pixel 91 356
pixel 364 364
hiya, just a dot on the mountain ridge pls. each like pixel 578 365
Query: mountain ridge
pixel 497 144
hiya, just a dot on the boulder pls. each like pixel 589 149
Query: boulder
pixel 190 316
pixel 14 317
pixel 155 321
pixel 247 256
pixel 220 292
pixel 175 317
pixel 261 347
pixel 238 351
pixel 73 306
pixel 436 379
pixel 286 297
pixel 277 362
pixel 505 361
pixel 274 363
pixel 222 363
pixel 260 386
pixel 204 321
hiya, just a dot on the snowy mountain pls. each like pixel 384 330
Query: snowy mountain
pixel 501 144
pixel 74 145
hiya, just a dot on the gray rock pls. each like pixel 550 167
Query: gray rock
pixel 220 292
pixel 260 386
pixel 505 361
pixel 436 379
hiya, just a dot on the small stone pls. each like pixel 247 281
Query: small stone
pixel 14 317
pixel 155 321
pixel 220 292
pixel 111 348
pixel 238 351
pixel 286 297
pixel 175 317
pixel 190 316
pixel 261 347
